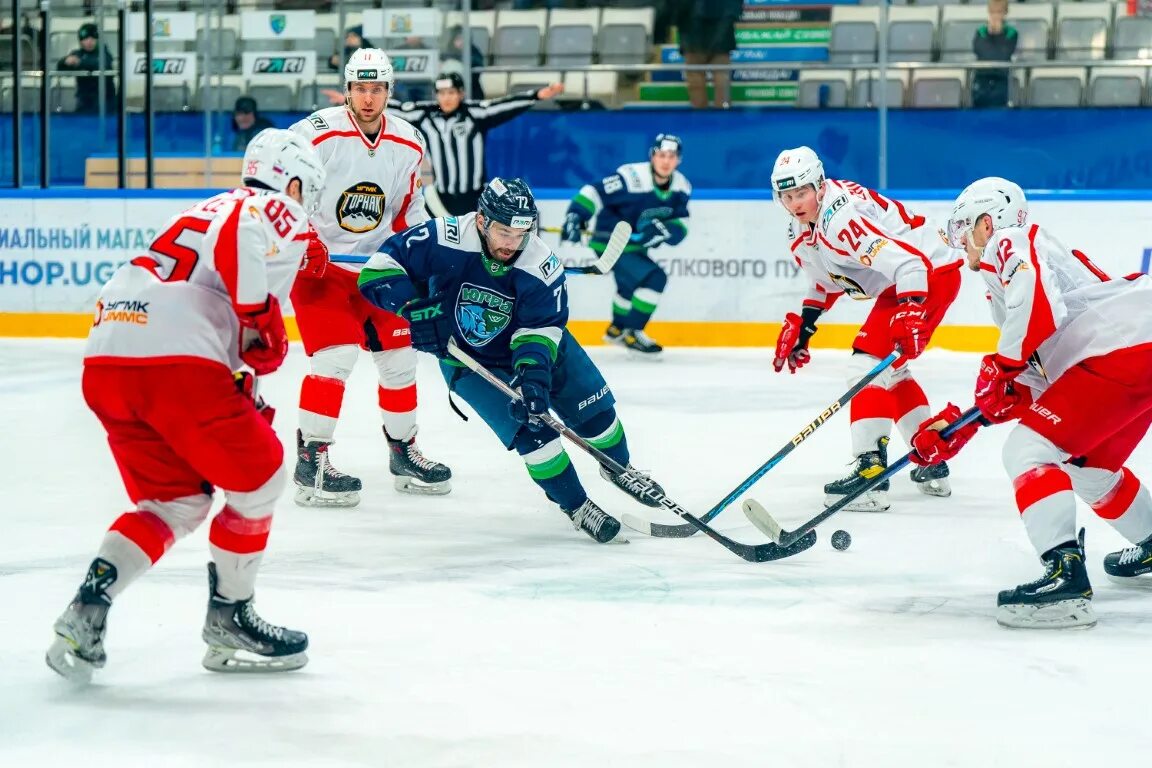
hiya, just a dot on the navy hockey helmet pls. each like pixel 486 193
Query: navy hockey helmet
pixel 510 202
pixel 666 142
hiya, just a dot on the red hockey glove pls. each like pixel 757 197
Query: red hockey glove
pixel 315 261
pixel 246 384
pixel 996 396
pixel 930 448
pixel 263 338
pixel 909 328
pixel 792 344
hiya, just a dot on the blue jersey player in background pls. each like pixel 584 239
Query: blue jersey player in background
pixel 653 198
pixel 486 280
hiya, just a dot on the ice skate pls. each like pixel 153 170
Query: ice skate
pixel 613 334
pixel 641 345
pixel 1131 566
pixel 932 480
pixel 318 483
pixel 240 641
pixel 636 484
pixel 868 465
pixel 78 650
pixel 413 472
pixel 1060 599
pixel 596 523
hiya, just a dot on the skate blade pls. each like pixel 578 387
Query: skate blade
pixel 406 484
pixel 62 659
pixel 236 661
pixel 1065 614
pixel 651 357
pixel 939 487
pixel 310 497
pixel 1143 581
pixel 873 501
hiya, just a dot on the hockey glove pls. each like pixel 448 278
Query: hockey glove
pixel 246 385
pixel 573 228
pixel 653 233
pixel 930 448
pixel 792 343
pixel 534 382
pixel 263 338
pixel 431 327
pixel 315 262
pixel 909 328
pixel 996 394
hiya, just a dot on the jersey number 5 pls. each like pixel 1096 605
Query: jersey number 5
pixel 184 258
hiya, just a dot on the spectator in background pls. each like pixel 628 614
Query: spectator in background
pixel 707 30
pixel 91 56
pixel 453 60
pixel 994 41
pixel 354 40
pixel 246 123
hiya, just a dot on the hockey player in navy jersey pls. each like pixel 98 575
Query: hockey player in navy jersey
pixel 653 198
pixel 486 280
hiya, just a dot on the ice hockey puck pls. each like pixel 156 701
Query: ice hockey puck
pixel 841 540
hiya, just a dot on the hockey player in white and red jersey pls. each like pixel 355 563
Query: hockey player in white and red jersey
pixel 852 241
pixel 373 164
pixel 171 326
pixel 1072 366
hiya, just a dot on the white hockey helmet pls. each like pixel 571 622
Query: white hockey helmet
pixel 276 156
pixel 794 168
pixel 369 65
pixel 1001 199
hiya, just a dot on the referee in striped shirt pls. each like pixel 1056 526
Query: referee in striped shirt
pixel 455 129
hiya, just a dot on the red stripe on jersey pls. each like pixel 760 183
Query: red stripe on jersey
pixel 834 248
pixel 1095 270
pixel 871 403
pixel 906 246
pixel 799 241
pixel 397 400
pixel 406 143
pixel 226 256
pixel 988 268
pixel 1041 321
pixel 147 531
pixel 1038 484
pixel 1117 501
pixel 241 535
pixel 400 223
pixel 322 395
pixel 133 362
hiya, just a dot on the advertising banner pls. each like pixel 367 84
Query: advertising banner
pixel 278 25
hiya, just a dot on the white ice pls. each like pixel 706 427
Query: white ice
pixel 480 629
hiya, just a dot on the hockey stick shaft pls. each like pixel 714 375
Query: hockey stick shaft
pixel 678 531
pixel 785 538
pixel 748 552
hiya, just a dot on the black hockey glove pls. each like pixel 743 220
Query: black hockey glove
pixel 431 325
pixel 573 228
pixel 534 382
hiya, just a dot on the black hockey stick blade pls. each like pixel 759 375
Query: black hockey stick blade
pixel 770 527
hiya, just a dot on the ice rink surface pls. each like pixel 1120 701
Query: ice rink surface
pixel 480 629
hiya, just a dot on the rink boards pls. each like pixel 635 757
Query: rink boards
pixel 730 282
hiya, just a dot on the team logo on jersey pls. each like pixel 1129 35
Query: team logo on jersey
pixel 852 288
pixel 360 207
pixel 460 130
pixel 482 314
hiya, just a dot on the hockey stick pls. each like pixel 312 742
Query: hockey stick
pixel 768 525
pixel 757 553
pixel 602 266
pixel 664 531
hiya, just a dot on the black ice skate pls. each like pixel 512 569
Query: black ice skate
pixel 636 484
pixel 596 523
pixel 641 345
pixel 78 650
pixel 932 480
pixel 868 465
pixel 240 641
pixel 1131 566
pixel 318 483
pixel 413 472
pixel 614 334
pixel 1060 599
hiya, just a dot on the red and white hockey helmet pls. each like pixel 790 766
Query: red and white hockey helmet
pixel 795 168
pixel 369 65
pixel 276 156
pixel 1001 199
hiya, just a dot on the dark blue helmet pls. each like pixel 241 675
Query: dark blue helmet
pixel 510 202
pixel 666 142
